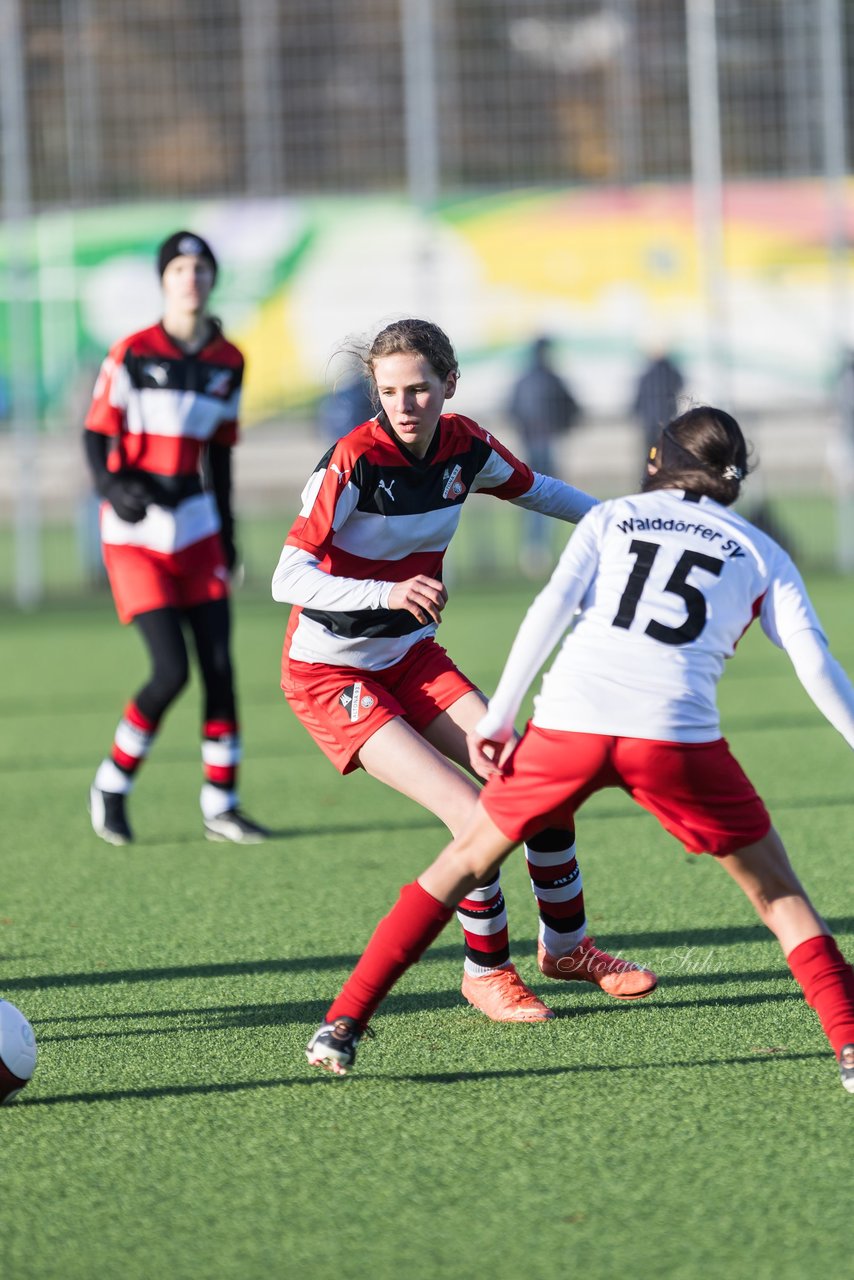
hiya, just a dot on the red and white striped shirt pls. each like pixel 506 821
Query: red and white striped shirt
pixel 162 407
pixel 373 514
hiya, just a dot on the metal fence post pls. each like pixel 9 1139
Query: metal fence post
pixel 707 181
pixel 19 303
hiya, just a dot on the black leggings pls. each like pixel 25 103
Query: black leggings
pixel 163 634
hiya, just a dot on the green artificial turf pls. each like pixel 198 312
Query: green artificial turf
pixel 174 1128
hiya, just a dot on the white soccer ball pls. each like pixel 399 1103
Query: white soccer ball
pixel 18 1051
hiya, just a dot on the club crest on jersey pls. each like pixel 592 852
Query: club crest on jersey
pixel 354 701
pixel 219 383
pixel 453 485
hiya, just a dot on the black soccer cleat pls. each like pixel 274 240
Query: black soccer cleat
pixel 846 1067
pixel 236 827
pixel 333 1045
pixel 109 820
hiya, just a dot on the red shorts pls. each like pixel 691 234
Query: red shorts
pixel 141 579
pixel 341 707
pixel 697 790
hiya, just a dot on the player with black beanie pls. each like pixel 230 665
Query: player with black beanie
pixel 158 440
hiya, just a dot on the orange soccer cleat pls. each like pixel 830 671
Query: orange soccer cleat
pixel 503 997
pixel 619 978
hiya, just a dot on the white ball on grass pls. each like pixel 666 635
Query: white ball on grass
pixel 18 1051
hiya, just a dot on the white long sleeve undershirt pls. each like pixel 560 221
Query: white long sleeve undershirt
pixel 299 580
pixel 553 497
pixel 824 680
pixel 544 624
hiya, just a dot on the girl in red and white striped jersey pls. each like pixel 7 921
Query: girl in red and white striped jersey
pixel 657 588
pixel 158 439
pixel 361 667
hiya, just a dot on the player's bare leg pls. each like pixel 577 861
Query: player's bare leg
pixel 475 855
pixel 765 874
pixel 399 757
pixel 768 879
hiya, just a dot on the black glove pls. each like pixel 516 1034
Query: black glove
pixel 128 495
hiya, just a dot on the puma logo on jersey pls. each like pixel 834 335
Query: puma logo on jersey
pixel 387 487
pixel 158 373
pixel 454 487
pixel 342 475
pixel 219 383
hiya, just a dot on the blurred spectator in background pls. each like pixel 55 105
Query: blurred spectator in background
pixel 348 405
pixel 656 396
pixel 542 408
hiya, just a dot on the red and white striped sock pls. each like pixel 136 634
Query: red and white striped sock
pixel 398 941
pixel 556 882
pixel 827 981
pixel 483 917
pixel 221 752
pixel 132 742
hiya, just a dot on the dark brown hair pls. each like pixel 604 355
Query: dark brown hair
pixel 420 337
pixel 704 451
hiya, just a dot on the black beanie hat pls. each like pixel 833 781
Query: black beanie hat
pixel 184 242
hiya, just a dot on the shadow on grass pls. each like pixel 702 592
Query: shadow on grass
pixel 721 977
pixel 168 1091
pixel 314 832
pixel 593 1068
pixel 216 1018
pixel 236 968
pixel 230 1017
pixel 445 999
pixel 620 944
pixel 287 1013
pixel 431 1077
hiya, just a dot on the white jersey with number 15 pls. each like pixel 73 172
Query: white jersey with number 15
pixel 666 584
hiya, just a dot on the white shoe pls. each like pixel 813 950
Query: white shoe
pixel 236 827
pixel 333 1046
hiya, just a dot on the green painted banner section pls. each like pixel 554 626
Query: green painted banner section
pixel 608 272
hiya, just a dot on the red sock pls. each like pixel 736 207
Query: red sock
pixel 827 980
pixel 398 941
